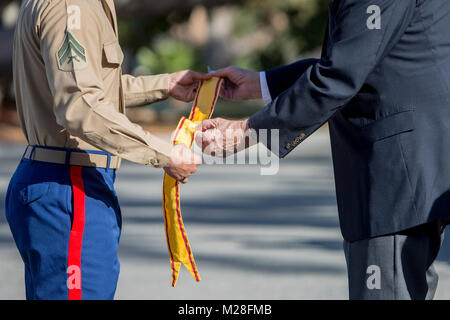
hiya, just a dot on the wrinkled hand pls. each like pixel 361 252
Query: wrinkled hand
pixel 223 137
pixel 239 84
pixel 183 84
pixel 183 162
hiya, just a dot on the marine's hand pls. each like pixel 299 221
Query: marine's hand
pixel 183 162
pixel 183 84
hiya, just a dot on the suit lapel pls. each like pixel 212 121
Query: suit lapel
pixel 325 42
pixel 333 8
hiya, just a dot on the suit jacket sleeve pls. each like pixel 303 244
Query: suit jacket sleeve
pixel 281 78
pixel 353 52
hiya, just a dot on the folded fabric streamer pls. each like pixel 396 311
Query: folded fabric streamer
pixel 177 241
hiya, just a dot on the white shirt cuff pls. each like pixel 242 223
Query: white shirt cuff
pixel 264 88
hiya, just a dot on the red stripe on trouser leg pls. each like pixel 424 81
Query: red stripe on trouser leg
pixel 76 234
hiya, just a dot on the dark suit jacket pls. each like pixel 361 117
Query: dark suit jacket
pixel 386 95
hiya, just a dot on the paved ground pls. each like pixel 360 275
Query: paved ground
pixel 253 236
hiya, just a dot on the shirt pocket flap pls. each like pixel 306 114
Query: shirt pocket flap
pixel 113 53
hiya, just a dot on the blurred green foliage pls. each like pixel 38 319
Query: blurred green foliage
pixel 159 51
pixel 290 30
pixel 304 32
pixel 166 56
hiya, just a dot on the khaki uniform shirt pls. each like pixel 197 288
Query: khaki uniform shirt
pixel 69 85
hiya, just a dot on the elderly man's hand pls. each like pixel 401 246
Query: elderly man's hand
pixel 183 84
pixel 240 84
pixel 221 137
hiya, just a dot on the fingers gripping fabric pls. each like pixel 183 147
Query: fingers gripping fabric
pixel 177 241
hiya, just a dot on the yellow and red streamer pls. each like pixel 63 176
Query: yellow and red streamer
pixel 177 242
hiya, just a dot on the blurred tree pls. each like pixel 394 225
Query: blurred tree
pixel 259 33
pixel 130 8
pixel 166 36
pixel 171 35
pixel 166 55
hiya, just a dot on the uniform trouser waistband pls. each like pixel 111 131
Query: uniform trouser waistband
pixel 74 157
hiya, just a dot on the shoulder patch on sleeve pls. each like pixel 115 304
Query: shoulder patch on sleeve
pixel 71 55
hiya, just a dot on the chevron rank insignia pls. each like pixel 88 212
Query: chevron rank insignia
pixel 71 55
